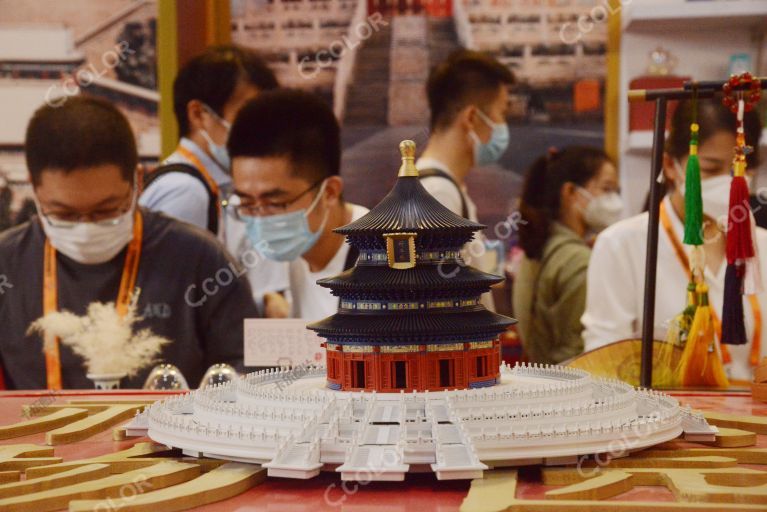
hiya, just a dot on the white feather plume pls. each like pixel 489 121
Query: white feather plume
pixel 105 341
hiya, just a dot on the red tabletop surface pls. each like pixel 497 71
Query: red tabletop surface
pixel 421 492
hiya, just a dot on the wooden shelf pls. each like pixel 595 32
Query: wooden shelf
pixel 639 141
pixel 694 15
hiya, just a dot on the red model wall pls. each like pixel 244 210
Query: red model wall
pixel 421 370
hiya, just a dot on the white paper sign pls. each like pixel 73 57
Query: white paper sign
pixel 281 342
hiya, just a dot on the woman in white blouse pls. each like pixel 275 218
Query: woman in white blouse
pixel 615 282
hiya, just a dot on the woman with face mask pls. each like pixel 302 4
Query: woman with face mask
pixel 616 275
pixel 568 196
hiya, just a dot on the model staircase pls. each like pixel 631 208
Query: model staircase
pixel 376 462
pixel 378 451
pixel 367 101
pixel 296 460
pixel 456 457
pixel 455 454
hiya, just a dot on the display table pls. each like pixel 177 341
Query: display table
pixel 419 492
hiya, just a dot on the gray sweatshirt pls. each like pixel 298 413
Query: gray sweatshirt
pixel 179 262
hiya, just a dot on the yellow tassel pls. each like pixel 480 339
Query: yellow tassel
pixel 676 337
pixel 701 361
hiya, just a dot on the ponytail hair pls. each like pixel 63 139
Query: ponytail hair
pixel 541 192
pixel 534 228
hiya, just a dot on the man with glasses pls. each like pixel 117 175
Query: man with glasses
pixel 207 93
pixel 286 157
pixel 90 243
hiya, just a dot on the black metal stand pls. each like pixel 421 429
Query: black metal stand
pixel 705 89
pixel 651 260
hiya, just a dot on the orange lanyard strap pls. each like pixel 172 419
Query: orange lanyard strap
pixel 50 304
pixel 51 301
pixel 200 167
pixel 752 299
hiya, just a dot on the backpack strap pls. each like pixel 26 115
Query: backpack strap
pixel 439 173
pixel 192 171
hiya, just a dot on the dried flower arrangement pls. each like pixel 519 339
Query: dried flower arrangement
pixel 103 338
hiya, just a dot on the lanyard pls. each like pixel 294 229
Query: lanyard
pixel 205 174
pixel 200 167
pixel 752 299
pixel 51 301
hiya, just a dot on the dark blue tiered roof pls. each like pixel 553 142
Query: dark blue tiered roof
pixel 410 209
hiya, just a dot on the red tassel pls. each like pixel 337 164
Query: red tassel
pixel 733 323
pixel 739 243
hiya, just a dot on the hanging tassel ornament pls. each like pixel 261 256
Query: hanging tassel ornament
pixel 743 273
pixel 701 361
pixel 693 201
pixel 679 327
pixel 733 331
pixel 740 245
pixel 681 333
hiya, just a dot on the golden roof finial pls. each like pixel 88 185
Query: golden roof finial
pixel 407 150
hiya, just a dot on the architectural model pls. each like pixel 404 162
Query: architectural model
pixel 410 316
pixel 414 380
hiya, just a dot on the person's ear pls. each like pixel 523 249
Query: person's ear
pixel 194 115
pixel 334 188
pixel 568 194
pixel 465 118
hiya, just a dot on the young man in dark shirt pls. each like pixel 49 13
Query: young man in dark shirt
pixel 82 162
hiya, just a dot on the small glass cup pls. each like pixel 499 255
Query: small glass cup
pixel 166 377
pixel 218 374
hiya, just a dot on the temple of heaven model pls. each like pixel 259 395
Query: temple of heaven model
pixel 410 316
pixel 413 380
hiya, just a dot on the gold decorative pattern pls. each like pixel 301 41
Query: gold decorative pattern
pixel 400 250
pixel 398 349
pixel 444 348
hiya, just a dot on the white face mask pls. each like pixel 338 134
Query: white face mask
pixel 715 193
pixel 88 242
pixel 219 152
pixel 602 210
pixel 488 152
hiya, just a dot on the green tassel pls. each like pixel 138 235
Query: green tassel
pixel 693 202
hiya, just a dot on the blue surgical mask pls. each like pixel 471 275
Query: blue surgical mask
pixel 219 152
pixel 285 236
pixel 490 151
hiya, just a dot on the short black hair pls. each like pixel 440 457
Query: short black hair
pixel 212 76
pixel 289 123
pixel 466 77
pixel 81 132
